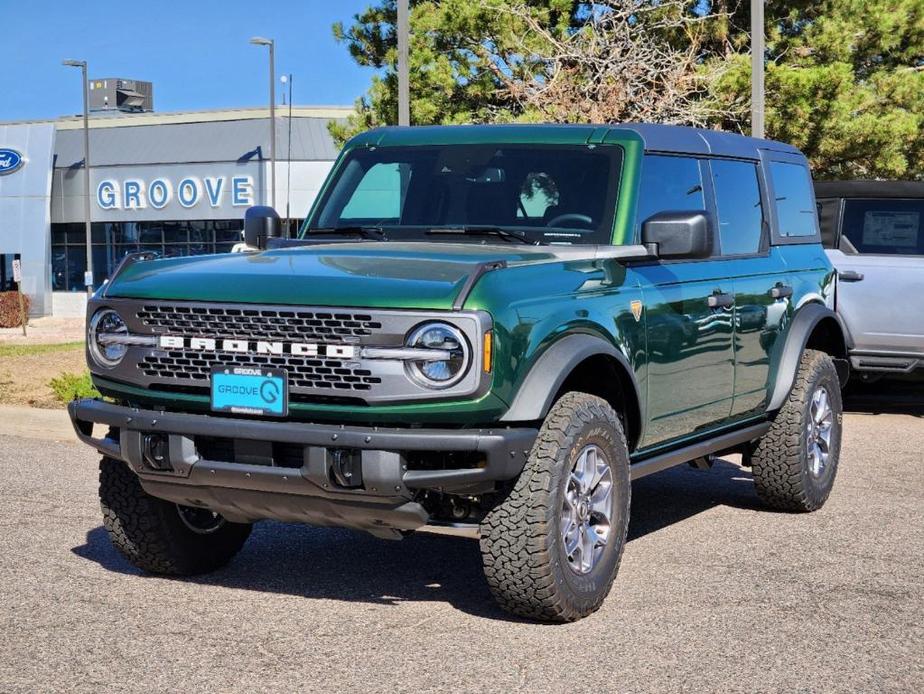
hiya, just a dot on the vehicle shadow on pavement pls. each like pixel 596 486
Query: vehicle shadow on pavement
pixel 674 495
pixel 335 564
pixel 887 395
pixel 882 401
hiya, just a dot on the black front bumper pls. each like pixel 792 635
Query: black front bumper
pixel 309 493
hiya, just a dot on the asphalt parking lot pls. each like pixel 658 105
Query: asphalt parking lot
pixel 714 594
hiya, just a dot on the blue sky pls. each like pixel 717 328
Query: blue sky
pixel 196 52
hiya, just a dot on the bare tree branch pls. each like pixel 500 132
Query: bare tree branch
pixel 618 67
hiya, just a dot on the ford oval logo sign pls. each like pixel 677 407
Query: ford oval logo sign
pixel 10 161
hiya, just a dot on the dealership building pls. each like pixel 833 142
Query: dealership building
pixel 174 183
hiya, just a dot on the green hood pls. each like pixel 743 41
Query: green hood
pixel 372 275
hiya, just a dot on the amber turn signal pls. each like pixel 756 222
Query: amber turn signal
pixel 488 351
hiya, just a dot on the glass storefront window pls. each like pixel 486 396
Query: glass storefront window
pixel 112 241
pixel 7 284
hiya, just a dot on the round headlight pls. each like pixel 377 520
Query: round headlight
pixel 104 326
pixel 439 373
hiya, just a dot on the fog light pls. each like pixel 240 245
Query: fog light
pixel 156 452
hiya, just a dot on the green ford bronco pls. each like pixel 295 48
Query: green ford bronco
pixel 489 330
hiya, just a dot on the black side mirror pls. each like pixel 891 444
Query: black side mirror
pixel 260 223
pixel 679 234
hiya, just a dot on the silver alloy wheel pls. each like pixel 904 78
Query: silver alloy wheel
pixel 587 509
pixel 818 431
pixel 200 520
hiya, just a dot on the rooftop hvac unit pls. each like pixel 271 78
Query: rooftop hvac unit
pixel 116 94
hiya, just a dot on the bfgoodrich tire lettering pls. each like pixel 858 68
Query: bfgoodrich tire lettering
pixel 786 473
pixel 150 532
pixel 525 560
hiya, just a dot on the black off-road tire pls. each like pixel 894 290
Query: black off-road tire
pixel 150 533
pixel 521 542
pixel 780 460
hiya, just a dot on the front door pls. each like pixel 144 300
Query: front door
pixel 689 315
pixel 691 365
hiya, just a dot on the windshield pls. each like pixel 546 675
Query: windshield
pixel 537 193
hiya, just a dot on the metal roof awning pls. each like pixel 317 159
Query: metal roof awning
pixel 206 141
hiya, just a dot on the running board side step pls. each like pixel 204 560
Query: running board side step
pixel 723 442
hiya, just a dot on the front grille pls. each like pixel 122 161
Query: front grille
pixel 271 333
pixel 283 324
pixel 257 323
pixel 195 368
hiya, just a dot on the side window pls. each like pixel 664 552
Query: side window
pixel 378 195
pixel 792 187
pixel 884 227
pixel 669 183
pixel 737 197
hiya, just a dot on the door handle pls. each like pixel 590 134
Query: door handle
pixel 781 291
pixel 719 300
pixel 850 276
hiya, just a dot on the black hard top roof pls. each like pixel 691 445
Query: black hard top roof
pixel 674 139
pixel 869 189
pixel 683 139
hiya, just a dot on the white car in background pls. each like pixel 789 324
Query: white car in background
pixel 873 232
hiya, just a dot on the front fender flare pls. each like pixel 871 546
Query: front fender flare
pixel 804 322
pixel 536 395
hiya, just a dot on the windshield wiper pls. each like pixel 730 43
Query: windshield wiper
pixel 367 232
pixel 488 230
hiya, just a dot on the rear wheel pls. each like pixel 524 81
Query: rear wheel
pixel 552 547
pixel 159 536
pixel 795 463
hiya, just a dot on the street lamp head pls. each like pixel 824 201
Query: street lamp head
pixel 284 79
pixel 74 63
pixel 260 41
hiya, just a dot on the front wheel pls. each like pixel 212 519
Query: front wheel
pixel 794 464
pixel 551 548
pixel 159 536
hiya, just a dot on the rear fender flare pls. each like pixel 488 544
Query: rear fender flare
pixel 805 321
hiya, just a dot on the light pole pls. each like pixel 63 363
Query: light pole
pixel 287 79
pixel 82 64
pixel 757 68
pixel 404 89
pixel 260 41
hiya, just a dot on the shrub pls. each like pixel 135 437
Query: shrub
pixel 10 316
pixel 68 386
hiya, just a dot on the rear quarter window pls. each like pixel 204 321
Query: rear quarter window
pixel 883 227
pixel 792 191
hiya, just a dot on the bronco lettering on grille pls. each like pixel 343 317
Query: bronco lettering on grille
pixel 299 349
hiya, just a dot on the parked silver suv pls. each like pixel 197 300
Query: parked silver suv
pixel 874 235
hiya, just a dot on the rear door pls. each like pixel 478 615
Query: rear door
pixel 761 283
pixel 880 263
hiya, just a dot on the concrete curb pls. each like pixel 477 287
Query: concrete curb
pixel 33 423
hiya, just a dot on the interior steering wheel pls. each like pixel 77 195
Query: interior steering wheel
pixel 570 217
